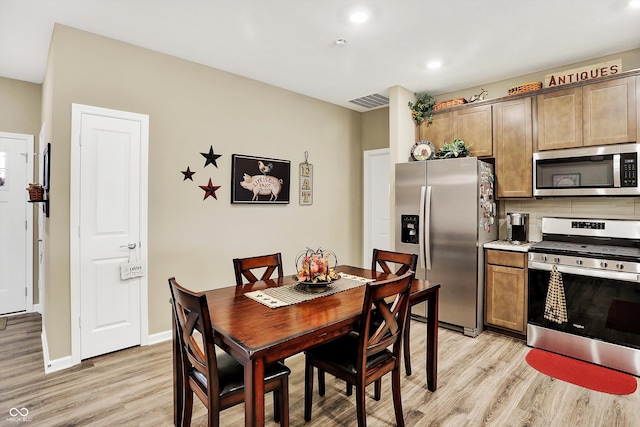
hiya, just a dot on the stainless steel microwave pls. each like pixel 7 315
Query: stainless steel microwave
pixel 610 170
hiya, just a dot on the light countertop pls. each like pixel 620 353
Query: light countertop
pixel 505 245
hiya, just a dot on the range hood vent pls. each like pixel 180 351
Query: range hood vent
pixel 371 101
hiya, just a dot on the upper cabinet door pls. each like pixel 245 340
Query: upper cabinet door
pixel 610 112
pixel 474 127
pixel 560 119
pixel 513 138
pixel 439 131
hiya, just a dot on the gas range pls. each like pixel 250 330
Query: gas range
pixel 596 244
pixel 584 291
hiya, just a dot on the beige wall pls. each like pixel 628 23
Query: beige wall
pixel 375 129
pixel 192 107
pixel 20 107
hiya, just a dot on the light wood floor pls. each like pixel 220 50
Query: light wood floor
pixel 483 381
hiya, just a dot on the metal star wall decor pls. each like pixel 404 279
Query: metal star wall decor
pixel 188 174
pixel 209 190
pixel 211 157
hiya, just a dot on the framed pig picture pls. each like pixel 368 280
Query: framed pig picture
pixel 260 180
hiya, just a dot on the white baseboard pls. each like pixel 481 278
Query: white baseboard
pixel 160 337
pixel 52 365
pixel 67 362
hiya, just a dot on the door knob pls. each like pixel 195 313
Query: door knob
pixel 130 246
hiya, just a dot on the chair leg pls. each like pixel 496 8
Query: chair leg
pixel 397 398
pixel 406 350
pixel 283 402
pixel 308 390
pixel 378 389
pixel 349 389
pixel 361 409
pixel 187 409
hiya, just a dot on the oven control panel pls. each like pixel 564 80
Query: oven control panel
pixel 588 225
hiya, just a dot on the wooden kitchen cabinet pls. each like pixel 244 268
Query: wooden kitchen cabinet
pixel 609 110
pixel 439 131
pixel 560 119
pixel 506 290
pixel 472 125
pixel 594 114
pixel 513 147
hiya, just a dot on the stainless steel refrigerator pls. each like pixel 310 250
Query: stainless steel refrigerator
pixel 445 211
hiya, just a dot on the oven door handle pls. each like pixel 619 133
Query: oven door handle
pixel 605 274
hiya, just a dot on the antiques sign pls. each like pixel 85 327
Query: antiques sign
pixel 590 72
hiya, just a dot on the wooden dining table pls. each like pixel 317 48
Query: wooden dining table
pixel 257 335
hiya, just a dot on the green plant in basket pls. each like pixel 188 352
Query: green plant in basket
pixel 457 148
pixel 423 108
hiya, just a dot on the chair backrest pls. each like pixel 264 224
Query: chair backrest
pixel 391 316
pixel 198 351
pixel 403 262
pixel 243 267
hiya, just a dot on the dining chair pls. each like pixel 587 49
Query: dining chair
pixel 214 376
pixel 243 267
pixel 397 263
pixel 363 356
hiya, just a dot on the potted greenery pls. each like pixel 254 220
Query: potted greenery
pixel 423 108
pixel 457 148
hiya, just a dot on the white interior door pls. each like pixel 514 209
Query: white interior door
pixel 112 226
pixel 377 196
pixel 16 222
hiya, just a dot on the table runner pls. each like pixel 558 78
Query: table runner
pixel 282 296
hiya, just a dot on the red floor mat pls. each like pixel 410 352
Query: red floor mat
pixel 581 373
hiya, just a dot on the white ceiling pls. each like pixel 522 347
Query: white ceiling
pixel 291 43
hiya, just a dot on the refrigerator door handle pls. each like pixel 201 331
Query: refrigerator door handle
pixel 427 228
pixel 422 217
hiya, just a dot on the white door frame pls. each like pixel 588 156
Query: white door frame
pixel 41 233
pixel 74 220
pixel 369 155
pixel 28 140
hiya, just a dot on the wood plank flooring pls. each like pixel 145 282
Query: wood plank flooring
pixel 483 381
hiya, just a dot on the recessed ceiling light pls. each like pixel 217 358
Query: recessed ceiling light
pixel 634 4
pixel 434 64
pixel 359 17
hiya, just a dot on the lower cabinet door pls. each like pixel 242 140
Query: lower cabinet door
pixel 505 297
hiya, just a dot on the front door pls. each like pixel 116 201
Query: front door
pixel 16 222
pixel 111 184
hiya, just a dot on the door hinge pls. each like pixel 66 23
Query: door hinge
pixel 26 292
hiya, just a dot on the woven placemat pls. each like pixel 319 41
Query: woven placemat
pixel 299 292
pixel 3 323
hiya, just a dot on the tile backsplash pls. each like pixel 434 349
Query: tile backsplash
pixel 583 207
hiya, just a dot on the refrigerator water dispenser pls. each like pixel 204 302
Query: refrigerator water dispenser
pixel 409 231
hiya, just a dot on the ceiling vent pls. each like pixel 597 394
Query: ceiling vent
pixel 371 101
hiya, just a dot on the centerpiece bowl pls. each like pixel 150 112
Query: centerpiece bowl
pixel 316 269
